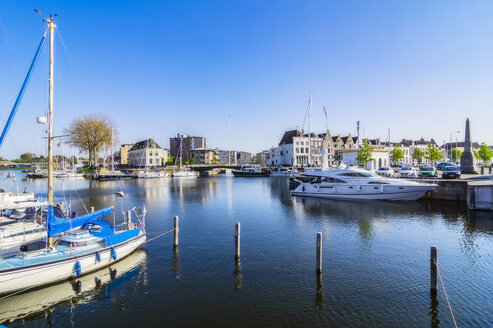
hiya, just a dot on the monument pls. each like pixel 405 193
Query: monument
pixel 467 159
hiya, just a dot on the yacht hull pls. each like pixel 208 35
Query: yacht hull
pixel 395 193
pixel 34 275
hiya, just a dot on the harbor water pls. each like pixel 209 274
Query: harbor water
pixel 375 269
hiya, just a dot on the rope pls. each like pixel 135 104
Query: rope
pixel 160 235
pixel 445 293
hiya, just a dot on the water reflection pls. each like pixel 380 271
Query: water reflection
pixel 93 286
pixel 319 300
pixel 238 275
pixel 434 321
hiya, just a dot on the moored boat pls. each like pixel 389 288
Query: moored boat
pixel 354 184
pixel 250 172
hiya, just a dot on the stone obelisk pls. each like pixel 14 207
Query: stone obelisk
pixel 467 159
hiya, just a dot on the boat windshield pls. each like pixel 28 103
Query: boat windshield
pixel 406 168
pixel 383 169
pixel 356 174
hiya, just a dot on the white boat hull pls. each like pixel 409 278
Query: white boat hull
pixel 34 275
pixel 363 192
pixel 184 174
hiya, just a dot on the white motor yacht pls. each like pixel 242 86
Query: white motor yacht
pixel 357 184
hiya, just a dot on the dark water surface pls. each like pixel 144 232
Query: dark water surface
pixel 375 261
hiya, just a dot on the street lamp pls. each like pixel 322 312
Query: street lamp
pixel 450 145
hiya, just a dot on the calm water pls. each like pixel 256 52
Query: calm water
pixel 375 261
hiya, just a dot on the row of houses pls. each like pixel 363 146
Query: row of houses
pixel 192 149
pixel 300 149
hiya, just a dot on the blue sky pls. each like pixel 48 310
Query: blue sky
pixel 418 68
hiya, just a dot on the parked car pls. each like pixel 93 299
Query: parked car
pixel 441 166
pixel 385 172
pixel 451 172
pixel 407 171
pixel 396 167
pixel 428 171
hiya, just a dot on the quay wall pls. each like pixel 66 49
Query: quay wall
pixel 450 190
pixel 480 195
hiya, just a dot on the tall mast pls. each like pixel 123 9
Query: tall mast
pixel 51 27
pixel 229 140
pixel 309 130
pixel 112 146
pixel 181 149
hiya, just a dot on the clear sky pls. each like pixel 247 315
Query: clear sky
pixel 418 68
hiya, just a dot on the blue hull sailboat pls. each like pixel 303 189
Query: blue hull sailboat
pixel 73 246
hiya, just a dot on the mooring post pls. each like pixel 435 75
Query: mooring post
pixel 490 167
pixel 319 252
pixel 237 241
pixel 92 209
pixel 433 269
pixel 482 170
pixel 176 230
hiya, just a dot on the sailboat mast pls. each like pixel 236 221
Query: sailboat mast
pixel 181 149
pixel 112 146
pixel 309 130
pixel 51 27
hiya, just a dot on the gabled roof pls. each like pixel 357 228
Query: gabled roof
pixel 288 136
pixel 149 143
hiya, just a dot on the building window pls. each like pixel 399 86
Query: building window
pixel 155 154
pixel 150 160
pixel 281 152
pixel 150 153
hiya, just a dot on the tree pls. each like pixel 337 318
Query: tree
pixel 432 153
pixel 397 153
pixel 418 154
pixel 484 153
pixel 90 133
pixel 455 154
pixel 364 153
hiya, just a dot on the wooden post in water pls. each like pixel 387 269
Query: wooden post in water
pixel 482 170
pixel 175 233
pixel 92 209
pixel 237 241
pixel 319 252
pixel 433 269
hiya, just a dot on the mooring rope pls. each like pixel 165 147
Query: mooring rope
pixel 161 234
pixel 445 293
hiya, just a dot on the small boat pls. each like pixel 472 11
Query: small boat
pixel 284 172
pixel 85 288
pixel 10 175
pixel 108 175
pixel 352 184
pixel 152 174
pixel 37 174
pixel 250 172
pixel 83 244
pixel 184 174
pixel 9 199
pixel 181 172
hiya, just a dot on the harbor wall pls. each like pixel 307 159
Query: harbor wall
pixel 450 190
pixel 480 195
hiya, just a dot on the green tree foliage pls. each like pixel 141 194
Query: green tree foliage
pixel 364 153
pixel 432 153
pixel 91 134
pixel 397 153
pixel 484 153
pixel 418 154
pixel 455 154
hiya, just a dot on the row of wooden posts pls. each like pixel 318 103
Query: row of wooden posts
pixel 433 253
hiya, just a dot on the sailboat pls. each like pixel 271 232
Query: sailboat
pixel 147 174
pixel 182 173
pixel 74 246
